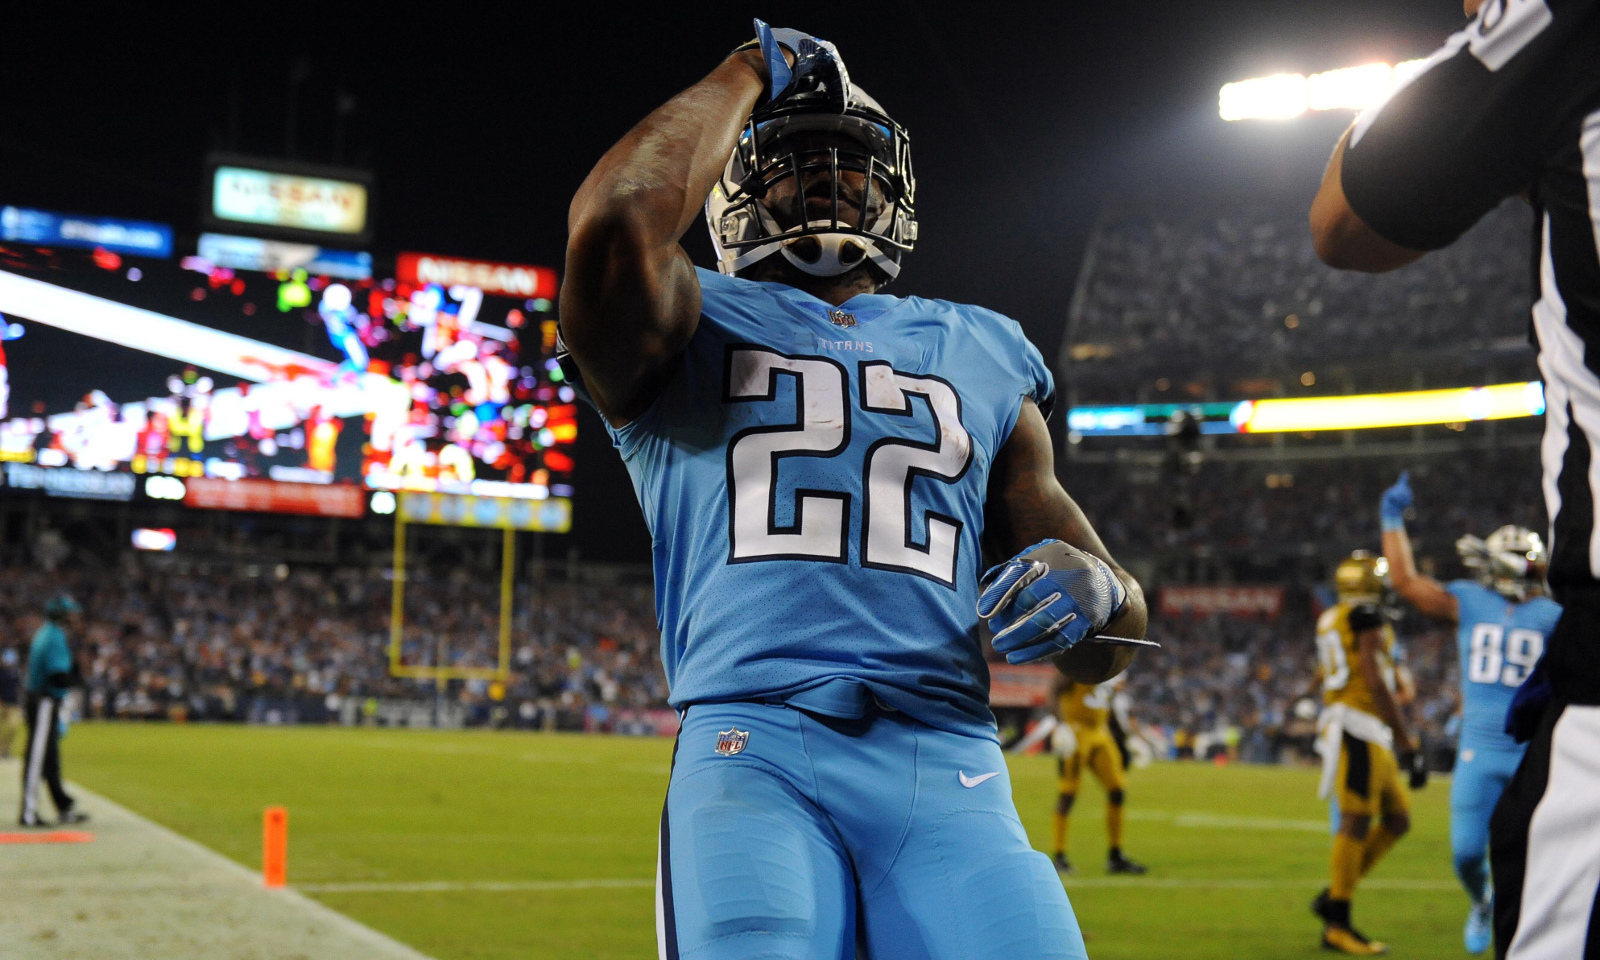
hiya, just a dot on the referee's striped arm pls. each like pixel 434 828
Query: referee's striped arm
pixel 1508 106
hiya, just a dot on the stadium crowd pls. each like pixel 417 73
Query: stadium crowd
pixel 159 643
pixel 312 646
pixel 1317 508
pixel 1215 283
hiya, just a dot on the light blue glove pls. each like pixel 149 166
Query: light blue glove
pixel 817 67
pixel 1396 501
pixel 1036 611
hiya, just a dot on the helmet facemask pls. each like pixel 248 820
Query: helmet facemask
pixel 827 190
pixel 1511 561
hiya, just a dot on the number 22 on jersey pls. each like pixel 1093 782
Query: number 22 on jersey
pixel 821 428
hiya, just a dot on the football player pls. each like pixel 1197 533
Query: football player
pixel 1088 743
pixel 1502 618
pixel 1361 730
pixel 822 466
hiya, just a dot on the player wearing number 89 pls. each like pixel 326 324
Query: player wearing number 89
pixel 1503 619
pixel 823 468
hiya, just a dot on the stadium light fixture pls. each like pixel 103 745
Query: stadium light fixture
pixel 1285 96
pixel 1350 88
pixel 1281 96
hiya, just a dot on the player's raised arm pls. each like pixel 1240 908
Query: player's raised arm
pixel 630 300
pixel 1027 504
pixel 1423 592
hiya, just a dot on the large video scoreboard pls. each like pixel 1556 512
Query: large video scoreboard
pixel 300 386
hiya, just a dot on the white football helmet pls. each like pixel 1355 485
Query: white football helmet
pixel 823 188
pixel 1511 561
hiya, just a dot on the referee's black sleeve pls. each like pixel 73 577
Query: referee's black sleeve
pixel 1476 125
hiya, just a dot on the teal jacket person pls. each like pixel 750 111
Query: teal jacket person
pixel 50 665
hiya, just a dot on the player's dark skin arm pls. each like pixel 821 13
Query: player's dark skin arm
pixel 630 301
pixel 1422 592
pixel 1341 238
pixel 1026 504
pixel 1369 643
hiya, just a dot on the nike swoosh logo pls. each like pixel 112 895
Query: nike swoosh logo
pixel 970 782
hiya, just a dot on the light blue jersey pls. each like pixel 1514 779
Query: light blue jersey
pixel 1498 641
pixel 814 481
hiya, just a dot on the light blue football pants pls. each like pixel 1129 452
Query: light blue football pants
pixel 814 838
pixel 1480 776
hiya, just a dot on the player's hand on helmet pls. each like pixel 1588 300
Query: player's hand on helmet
pixel 1036 612
pixel 1396 501
pixel 816 66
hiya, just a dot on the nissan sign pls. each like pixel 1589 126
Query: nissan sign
pixel 499 279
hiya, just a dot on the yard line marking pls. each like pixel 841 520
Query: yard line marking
pixel 457 886
pixel 1180 883
pixel 1200 883
pixel 1203 819
pixel 1251 823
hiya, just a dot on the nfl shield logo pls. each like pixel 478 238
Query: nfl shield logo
pixel 730 742
pixel 841 319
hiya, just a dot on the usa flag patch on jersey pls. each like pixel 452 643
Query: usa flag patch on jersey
pixel 730 742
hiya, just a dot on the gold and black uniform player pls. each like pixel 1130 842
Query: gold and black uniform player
pixel 1085 742
pixel 1361 730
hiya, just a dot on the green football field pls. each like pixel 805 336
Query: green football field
pixel 501 845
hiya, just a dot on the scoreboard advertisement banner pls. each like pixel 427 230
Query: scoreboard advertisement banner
pixel 1250 601
pixel 271 496
pixel 553 515
pixel 195 370
pixel 288 200
pixel 1027 685
pixel 508 279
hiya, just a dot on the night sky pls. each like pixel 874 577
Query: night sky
pixel 480 123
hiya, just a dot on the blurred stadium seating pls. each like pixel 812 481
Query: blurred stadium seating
pixel 1230 295
pixel 211 641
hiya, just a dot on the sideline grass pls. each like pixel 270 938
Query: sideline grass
pixel 490 828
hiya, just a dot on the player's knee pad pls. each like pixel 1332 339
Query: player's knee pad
pixel 1114 797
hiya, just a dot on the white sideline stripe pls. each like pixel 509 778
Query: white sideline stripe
pixel 1158 883
pixel 359 931
pixel 458 886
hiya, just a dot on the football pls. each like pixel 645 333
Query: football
pixel 1092 662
